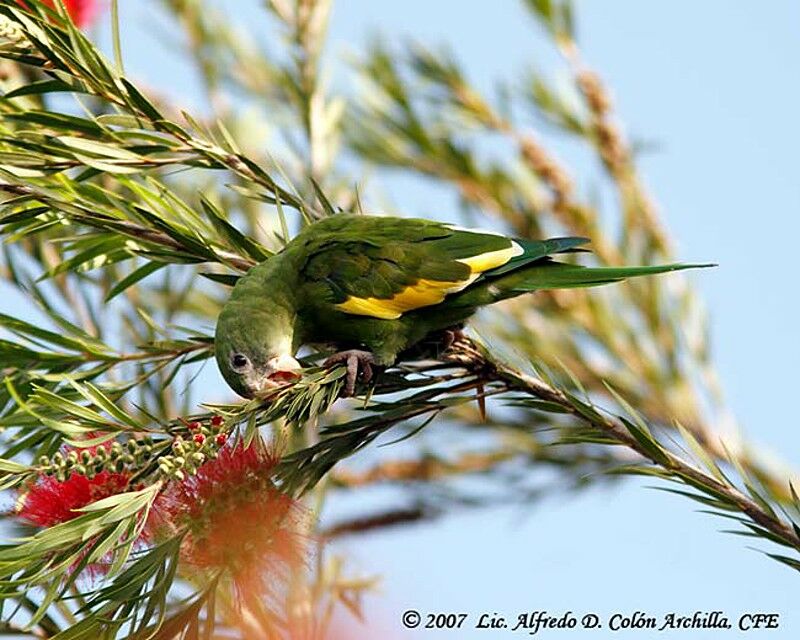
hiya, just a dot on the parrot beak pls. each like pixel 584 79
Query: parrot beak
pixel 280 371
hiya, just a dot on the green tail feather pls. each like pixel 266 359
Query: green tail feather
pixel 556 275
pixel 547 274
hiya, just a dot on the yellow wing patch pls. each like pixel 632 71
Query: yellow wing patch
pixel 420 294
pixel 425 293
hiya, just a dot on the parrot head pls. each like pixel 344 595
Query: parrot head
pixel 254 350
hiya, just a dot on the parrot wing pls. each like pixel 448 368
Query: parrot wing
pixel 385 267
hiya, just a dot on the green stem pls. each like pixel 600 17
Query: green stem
pixel 115 36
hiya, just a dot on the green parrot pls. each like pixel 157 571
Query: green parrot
pixel 375 287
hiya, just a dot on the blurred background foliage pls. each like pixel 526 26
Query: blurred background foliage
pixel 126 219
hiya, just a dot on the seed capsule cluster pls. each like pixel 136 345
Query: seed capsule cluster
pixel 11 30
pixel 188 454
pixel 185 456
pixel 115 458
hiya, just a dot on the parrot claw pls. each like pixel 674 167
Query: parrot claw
pixel 357 361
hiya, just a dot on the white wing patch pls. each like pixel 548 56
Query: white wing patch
pixel 492 259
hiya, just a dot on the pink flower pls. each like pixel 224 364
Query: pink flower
pixel 235 520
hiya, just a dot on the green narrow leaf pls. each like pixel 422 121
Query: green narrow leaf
pixel 138 274
pixel 323 199
pixel 9 466
pixel 235 237
pixel 228 279
pixel 41 87
pixel 140 102
pixel 701 453
pixel 648 443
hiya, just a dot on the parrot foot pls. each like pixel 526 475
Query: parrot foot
pixel 451 336
pixel 357 362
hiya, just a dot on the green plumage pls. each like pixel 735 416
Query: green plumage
pixel 302 295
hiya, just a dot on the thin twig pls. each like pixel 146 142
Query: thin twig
pixel 471 356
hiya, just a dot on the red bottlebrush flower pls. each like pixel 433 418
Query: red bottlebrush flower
pixel 49 501
pixel 82 12
pixel 221 438
pixel 235 520
pixel 199 438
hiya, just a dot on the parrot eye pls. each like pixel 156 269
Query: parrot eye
pixel 239 361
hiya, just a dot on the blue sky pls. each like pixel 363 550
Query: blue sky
pixel 714 84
